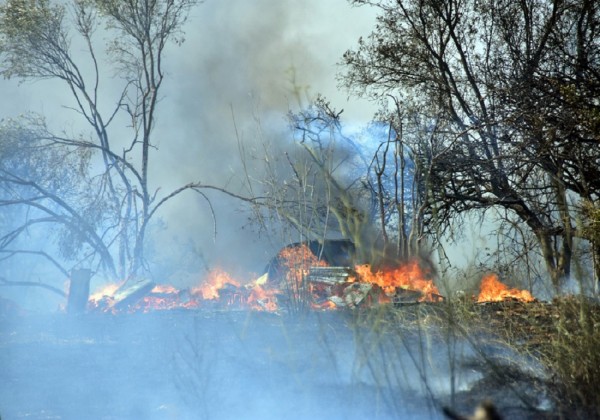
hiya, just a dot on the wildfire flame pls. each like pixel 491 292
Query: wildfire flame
pixel 297 261
pixel 493 290
pixel 409 276
pixel 353 287
pixel 164 288
pixel 215 281
pixel 263 299
pixel 106 290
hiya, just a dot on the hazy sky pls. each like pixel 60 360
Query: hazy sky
pixel 240 55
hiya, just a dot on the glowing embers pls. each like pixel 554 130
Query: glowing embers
pixel 493 290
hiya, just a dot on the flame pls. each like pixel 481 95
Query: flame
pixel 366 287
pixel 409 276
pixel 108 290
pixel 325 305
pixel 297 260
pixel 262 299
pixel 162 297
pixel 164 288
pixel 215 281
pixel 493 290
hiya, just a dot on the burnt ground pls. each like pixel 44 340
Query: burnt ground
pixel 184 364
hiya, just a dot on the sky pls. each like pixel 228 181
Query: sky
pixel 242 60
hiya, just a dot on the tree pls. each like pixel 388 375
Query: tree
pixel 314 189
pixel 100 194
pixel 400 169
pixel 492 79
pixel 362 187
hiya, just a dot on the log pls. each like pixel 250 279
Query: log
pixel 124 298
pixel 329 275
pixel 79 291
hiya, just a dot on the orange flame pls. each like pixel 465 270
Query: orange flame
pixel 409 276
pixel 108 290
pixel 215 281
pixel 493 290
pixel 297 260
pixel 164 288
pixel 262 299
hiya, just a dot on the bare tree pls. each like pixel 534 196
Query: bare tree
pixel 328 184
pixel 109 204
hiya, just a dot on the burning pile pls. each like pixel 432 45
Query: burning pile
pixel 219 290
pixel 299 276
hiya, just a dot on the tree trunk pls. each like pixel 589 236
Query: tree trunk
pixel 79 291
pixel 551 258
pixel 596 262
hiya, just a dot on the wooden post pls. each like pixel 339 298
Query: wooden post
pixel 79 291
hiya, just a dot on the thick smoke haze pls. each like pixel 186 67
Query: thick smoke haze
pixel 244 65
pixel 251 61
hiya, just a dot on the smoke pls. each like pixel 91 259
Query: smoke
pixel 248 61
pixel 218 366
pixel 243 66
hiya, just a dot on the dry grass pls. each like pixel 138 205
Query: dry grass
pixel 562 337
pixel 573 356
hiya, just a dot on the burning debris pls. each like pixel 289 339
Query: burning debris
pixel 298 275
pixel 398 280
pixel 492 290
pixel 219 291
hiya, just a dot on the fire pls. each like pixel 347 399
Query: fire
pixel 295 264
pixel 297 260
pixel 216 280
pixel 298 274
pixel 164 288
pixel 493 290
pixel 409 276
pixel 157 301
pixel 219 287
pixel 107 290
pixel 262 299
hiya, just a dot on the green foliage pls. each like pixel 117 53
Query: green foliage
pixel 33 40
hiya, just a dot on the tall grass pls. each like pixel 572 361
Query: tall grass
pixel 573 357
